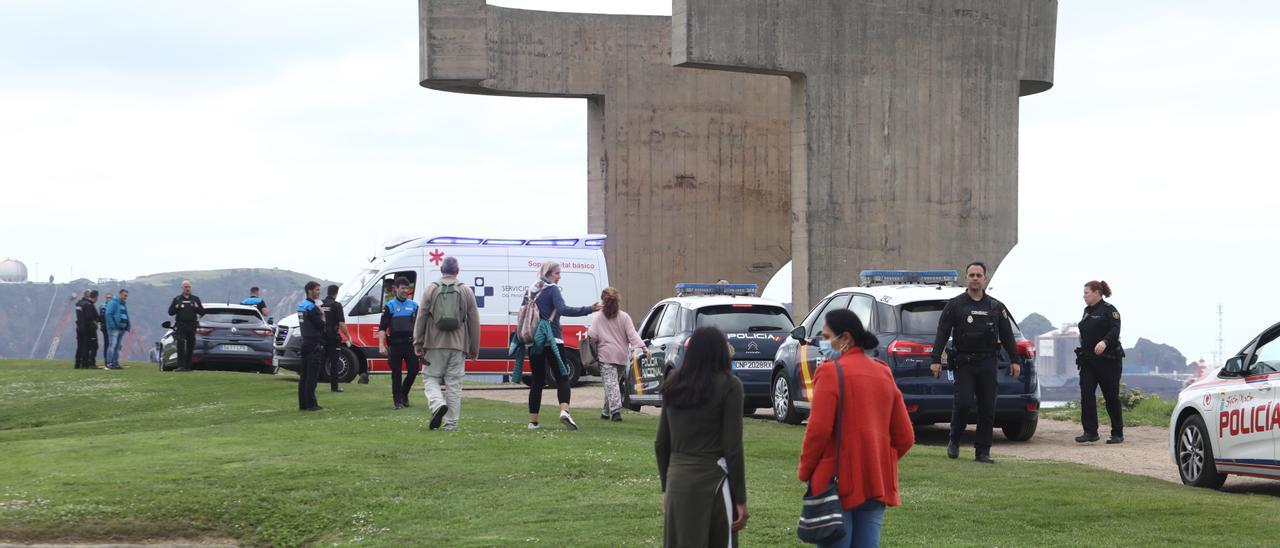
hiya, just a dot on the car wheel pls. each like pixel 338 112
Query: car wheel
pixel 1195 455
pixel 348 366
pixel 625 390
pixel 1021 430
pixel 783 410
pixel 573 362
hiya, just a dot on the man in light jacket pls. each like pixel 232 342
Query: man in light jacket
pixel 446 333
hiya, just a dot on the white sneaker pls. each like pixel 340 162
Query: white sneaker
pixel 533 426
pixel 568 421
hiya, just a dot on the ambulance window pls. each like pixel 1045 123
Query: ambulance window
pixel 379 294
pixel 1267 358
pixel 667 327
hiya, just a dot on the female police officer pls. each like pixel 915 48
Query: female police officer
pixel 1099 359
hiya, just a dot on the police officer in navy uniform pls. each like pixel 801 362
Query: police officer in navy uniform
pixel 87 330
pixel 186 310
pixel 395 340
pixel 335 322
pixel 255 301
pixel 1099 359
pixel 311 323
pixel 979 325
pixel 102 326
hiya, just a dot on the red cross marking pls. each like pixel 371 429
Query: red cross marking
pixel 436 257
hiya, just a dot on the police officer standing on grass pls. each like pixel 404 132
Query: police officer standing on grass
pixel 106 338
pixel 255 301
pixel 979 325
pixel 311 322
pixel 87 330
pixel 186 310
pixel 335 322
pixel 1099 359
pixel 395 341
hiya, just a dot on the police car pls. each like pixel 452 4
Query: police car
pixel 755 328
pixel 1229 421
pixel 902 309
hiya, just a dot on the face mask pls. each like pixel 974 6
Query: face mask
pixel 827 350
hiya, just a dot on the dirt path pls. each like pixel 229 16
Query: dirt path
pixel 1145 451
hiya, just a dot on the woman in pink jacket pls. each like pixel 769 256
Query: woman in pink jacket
pixel 615 336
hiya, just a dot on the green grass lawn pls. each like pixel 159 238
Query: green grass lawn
pixel 1151 411
pixel 134 454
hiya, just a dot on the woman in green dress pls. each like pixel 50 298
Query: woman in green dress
pixel 699 447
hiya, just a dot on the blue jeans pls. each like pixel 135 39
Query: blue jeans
pixel 862 526
pixel 114 338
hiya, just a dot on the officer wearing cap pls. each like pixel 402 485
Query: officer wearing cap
pixel 311 323
pixel 396 332
pixel 255 301
pixel 979 325
pixel 1099 359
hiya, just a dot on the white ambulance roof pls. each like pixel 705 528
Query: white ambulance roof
pixel 587 241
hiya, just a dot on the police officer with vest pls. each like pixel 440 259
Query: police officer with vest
pixel 311 323
pixel 87 330
pixel 979 325
pixel 186 310
pixel 396 332
pixel 335 322
pixel 102 326
pixel 1099 359
pixel 255 301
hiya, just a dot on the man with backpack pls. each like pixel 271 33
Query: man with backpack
pixel 446 333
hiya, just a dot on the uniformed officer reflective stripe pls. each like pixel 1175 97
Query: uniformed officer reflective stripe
pixel 251 301
pixel 402 315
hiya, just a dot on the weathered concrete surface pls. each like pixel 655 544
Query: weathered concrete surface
pixel 688 169
pixel 904 120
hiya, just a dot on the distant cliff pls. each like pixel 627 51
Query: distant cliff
pixel 25 332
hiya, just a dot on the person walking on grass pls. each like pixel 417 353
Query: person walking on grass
pixel 699 447
pixel 872 429
pixel 546 350
pixel 445 334
pixel 335 324
pixel 615 336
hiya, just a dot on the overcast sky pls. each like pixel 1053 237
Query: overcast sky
pixel 148 136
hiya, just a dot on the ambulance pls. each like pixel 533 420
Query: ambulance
pixel 498 270
pixel 1229 421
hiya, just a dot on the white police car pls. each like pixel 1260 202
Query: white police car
pixel 755 328
pixel 1229 421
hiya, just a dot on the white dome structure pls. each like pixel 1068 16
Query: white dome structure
pixel 12 271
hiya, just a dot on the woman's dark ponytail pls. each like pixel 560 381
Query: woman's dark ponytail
pixel 1100 287
pixel 843 320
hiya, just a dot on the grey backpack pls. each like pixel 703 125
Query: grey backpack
pixel 446 308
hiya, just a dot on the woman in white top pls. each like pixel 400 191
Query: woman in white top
pixel 615 336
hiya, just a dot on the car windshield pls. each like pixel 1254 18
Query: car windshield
pixel 744 318
pixel 349 290
pixel 921 318
pixel 232 316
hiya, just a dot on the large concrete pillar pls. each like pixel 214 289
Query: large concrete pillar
pixel 688 169
pixel 904 118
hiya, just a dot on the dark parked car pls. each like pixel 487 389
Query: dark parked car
pixel 904 316
pixel 229 337
pixel 755 328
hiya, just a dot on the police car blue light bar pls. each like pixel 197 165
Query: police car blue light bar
pixel 733 290
pixel 594 242
pixel 885 277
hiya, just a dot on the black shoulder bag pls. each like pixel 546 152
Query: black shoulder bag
pixel 822 516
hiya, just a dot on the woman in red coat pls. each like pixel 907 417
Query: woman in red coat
pixel 875 429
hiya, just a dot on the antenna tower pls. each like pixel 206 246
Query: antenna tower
pixel 1219 354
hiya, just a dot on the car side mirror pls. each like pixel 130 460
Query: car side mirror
pixel 647 342
pixel 167 325
pixel 798 333
pixel 271 321
pixel 1234 367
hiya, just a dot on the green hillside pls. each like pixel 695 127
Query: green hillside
pixel 25 332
